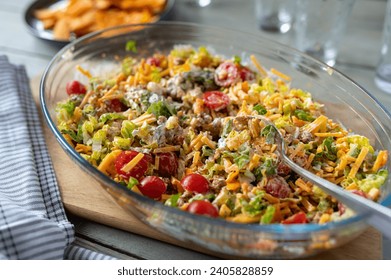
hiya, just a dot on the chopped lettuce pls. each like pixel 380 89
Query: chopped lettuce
pixel 269 167
pixel 268 85
pixel 65 110
pixel 318 192
pixel 88 109
pixel 303 115
pixel 127 129
pixel 202 58
pixel 132 182
pixel 96 156
pixel 366 182
pixel 373 181
pixel 127 66
pixel 182 51
pixel 227 128
pixel 354 150
pixel 361 141
pixel 255 205
pixel 161 108
pixel 173 200
pixel 206 151
pixel 242 158
pixel 110 117
pixel 90 125
pixel 267 217
pixel 109 83
pixel 329 148
pixel 76 136
pixel 122 143
pixel 99 139
pixel 303 95
pixel 323 205
pixel 156 76
pixel 282 122
pixel 261 110
pixel 269 132
pixel 88 128
pixel 237 59
pixel 131 46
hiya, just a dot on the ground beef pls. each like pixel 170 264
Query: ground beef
pixel 217 183
pixel 278 187
pixel 283 169
pixel 305 136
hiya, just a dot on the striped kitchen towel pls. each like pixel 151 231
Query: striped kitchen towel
pixel 33 224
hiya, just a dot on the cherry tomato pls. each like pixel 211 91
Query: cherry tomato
pixel 246 74
pixel 360 193
pixel 215 100
pixel 341 208
pixel 195 183
pixel 298 218
pixel 115 105
pixel 153 61
pixel 125 157
pixel 278 187
pixel 75 87
pixel 152 187
pixel 148 158
pixel 202 207
pixel 226 74
pixel 168 164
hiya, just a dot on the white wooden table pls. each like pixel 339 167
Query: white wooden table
pixel 359 54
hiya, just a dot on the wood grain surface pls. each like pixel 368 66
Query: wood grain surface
pixel 82 196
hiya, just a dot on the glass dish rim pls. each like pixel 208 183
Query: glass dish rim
pixel 269 228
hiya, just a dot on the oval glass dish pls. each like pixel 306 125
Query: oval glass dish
pixel 345 102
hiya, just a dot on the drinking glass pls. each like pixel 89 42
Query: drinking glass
pixel 275 15
pixel 383 69
pixel 320 25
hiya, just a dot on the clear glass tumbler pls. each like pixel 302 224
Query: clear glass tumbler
pixel 320 24
pixel 383 69
pixel 275 15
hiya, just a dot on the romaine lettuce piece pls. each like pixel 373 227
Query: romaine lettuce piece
pixel 267 217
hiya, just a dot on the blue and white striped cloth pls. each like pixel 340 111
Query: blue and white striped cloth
pixel 33 224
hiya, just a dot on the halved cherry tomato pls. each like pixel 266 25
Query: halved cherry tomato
pixel 215 100
pixel 153 61
pixel 360 193
pixel 152 187
pixel 195 183
pixel 115 105
pixel 75 87
pixel 137 172
pixel 341 208
pixel 226 74
pixel 298 218
pixel 168 164
pixel 246 74
pixel 202 207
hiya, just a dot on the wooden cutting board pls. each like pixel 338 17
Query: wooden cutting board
pixel 82 196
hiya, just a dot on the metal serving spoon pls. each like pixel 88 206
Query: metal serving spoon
pixel 380 215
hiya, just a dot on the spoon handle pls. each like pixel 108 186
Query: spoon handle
pixel 380 215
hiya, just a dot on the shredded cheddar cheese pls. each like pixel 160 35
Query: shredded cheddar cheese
pixel 131 164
